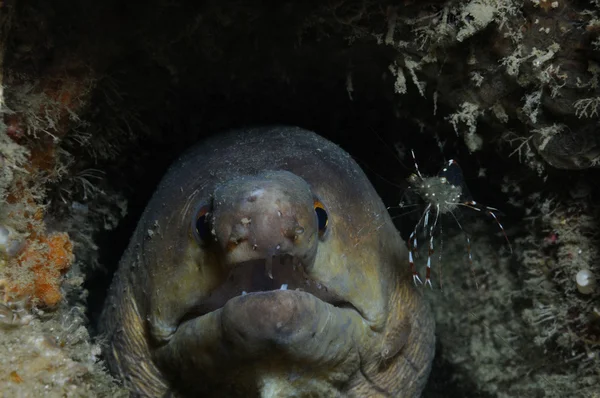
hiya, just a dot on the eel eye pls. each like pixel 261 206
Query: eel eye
pixel 201 225
pixel 322 218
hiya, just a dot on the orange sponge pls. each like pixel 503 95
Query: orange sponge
pixel 44 260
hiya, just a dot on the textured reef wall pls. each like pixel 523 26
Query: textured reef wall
pixel 91 94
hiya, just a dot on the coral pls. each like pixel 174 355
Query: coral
pixel 400 83
pixel 587 107
pixel 477 327
pixel 468 115
pixel 12 313
pixel 513 61
pixel 532 105
pixel 41 267
pixel 562 313
pixel 525 151
pixel 52 357
pixel 489 334
pixel 459 21
pixel 545 134
pixel 33 260
pixel 13 158
pixel 37 114
pixel 478 14
pixel 36 270
pixel 45 347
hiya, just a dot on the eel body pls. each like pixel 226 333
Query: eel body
pixel 266 265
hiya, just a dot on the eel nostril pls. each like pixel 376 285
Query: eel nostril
pixel 293 232
pixel 239 232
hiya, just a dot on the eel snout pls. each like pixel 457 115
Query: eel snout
pixel 264 216
pixel 267 230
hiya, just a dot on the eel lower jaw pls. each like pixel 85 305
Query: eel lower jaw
pixel 253 320
pixel 282 272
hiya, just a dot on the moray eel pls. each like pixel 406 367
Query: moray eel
pixel 266 265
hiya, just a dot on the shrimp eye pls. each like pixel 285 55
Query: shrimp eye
pixel 200 225
pixel 322 218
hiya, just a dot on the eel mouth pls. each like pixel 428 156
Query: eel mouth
pixel 281 272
